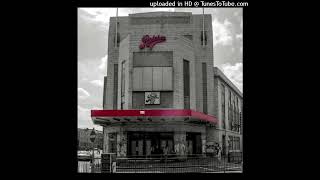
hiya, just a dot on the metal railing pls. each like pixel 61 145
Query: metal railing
pixel 170 164
pixel 86 166
pixel 187 164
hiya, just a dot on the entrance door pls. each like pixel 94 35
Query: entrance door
pixel 223 145
pixel 148 147
pixel 133 148
pixel 194 143
pixel 190 147
pixel 140 147
pixel 149 143
pixel 198 144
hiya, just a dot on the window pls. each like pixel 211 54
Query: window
pixel 115 86
pixel 223 106
pixel 240 122
pixel 104 91
pixel 122 83
pixel 230 143
pixel 230 118
pixel 152 79
pixel 204 87
pixel 237 114
pixel 186 84
pixel 241 117
pixel 188 36
pixel 118 39
pixel 204 39
pixel 234 114
pixel 234 143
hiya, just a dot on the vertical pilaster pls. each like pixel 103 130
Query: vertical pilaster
pixel 203 141
pixel 121 144
pixel 180 145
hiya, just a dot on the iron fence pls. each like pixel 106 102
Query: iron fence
pixel 86 166
pixel 170 164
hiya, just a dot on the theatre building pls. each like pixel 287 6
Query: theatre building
pixel 159 89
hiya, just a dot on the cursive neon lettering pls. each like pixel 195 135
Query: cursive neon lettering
pixel 149 42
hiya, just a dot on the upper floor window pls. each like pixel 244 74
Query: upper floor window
pixel 204 38
pixel 118 39
pixel 122 83
pixel 223 106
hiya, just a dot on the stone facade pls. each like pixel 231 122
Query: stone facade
pixel 184 38
pixel 176 42
pixel 223 83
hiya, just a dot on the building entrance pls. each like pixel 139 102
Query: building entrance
pixel 149 143
pixel 194 145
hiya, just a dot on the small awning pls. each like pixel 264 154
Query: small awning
pixel 150 115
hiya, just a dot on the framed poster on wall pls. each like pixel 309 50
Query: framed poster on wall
pixel 152 97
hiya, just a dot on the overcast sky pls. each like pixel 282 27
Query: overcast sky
pixel 93 24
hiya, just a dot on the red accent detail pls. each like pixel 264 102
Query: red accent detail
pixel 202 116
pixel 141 46
pixel 159 112
pixel 149 42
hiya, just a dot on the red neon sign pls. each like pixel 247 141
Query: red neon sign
pixel 149 42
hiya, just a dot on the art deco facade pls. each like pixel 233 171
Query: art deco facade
pixel 160 86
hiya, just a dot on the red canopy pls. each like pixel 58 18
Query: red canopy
pixel 133 115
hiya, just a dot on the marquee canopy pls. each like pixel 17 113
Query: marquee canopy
pixel 150 115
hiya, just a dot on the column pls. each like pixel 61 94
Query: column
pixel 180 145
pixel 106 141
pixel 203 141
pixel 122 144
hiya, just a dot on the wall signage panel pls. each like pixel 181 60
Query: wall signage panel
pixel 152 98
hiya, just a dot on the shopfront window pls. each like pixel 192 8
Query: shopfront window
pixel 194 145
pixel 149 143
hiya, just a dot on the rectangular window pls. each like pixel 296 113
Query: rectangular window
pixel 167 78
pixel 237 113
pixel 230 112
pixel 223 145
pixel 147 78
pixel 223 106
pixel 122 83
pixel 204 37
pixel 186 84
pixel 240 123
pixel 241 117
pixel 138 79
pixel 234 114
pixel 156 78
pixel 236 143
pixel 204 87
pixel 118 39
pixel 230 143
pixel 188 36
pixel 152 79
pixel 115 86
pixel 104 91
